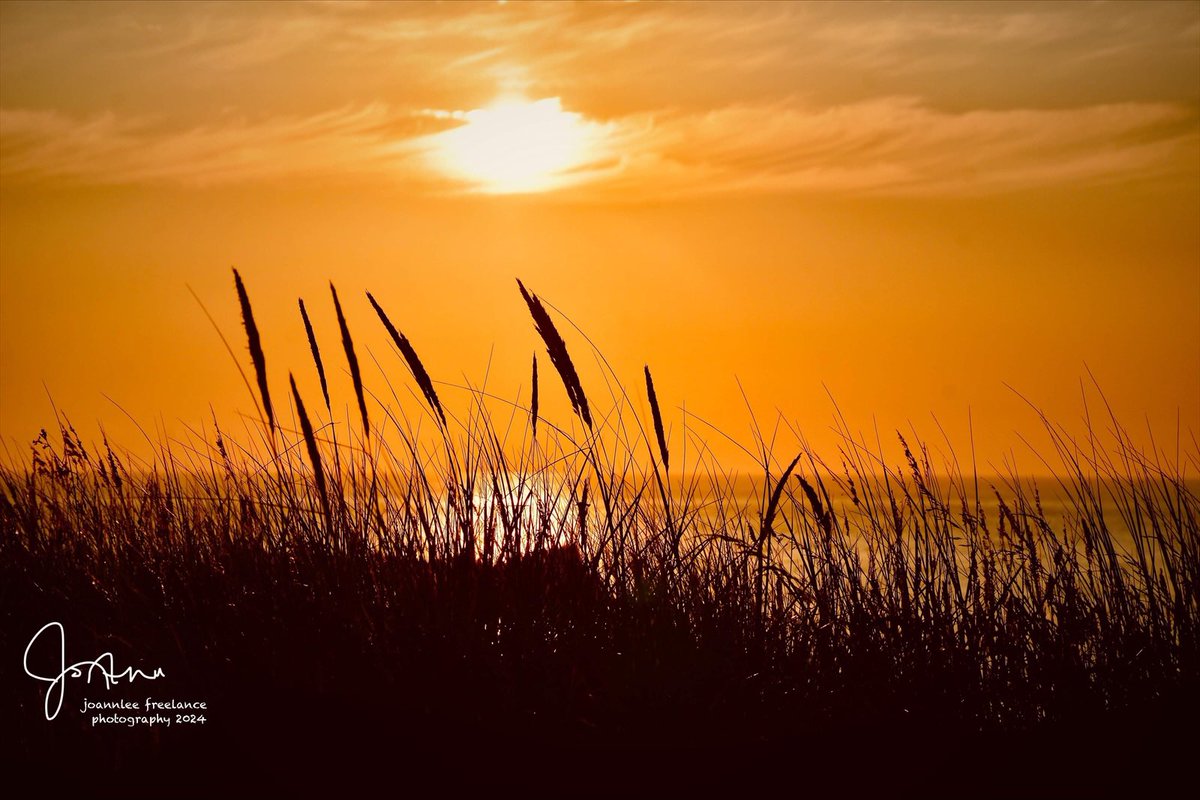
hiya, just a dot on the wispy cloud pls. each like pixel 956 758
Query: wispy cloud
pixel 884 146
pixel 902 146
pixel 351 143
pixel 710 99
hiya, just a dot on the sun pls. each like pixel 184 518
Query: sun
pixel 516 145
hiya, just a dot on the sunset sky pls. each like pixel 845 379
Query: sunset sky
pixel 910 206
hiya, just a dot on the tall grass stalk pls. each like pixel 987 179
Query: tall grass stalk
pixel 256 350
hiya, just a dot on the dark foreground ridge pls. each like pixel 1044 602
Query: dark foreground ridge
pixel 415 690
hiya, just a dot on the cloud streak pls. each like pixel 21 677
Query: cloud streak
pixel 350 143
pixel 707 100
pixel 901 146
pixel 895 145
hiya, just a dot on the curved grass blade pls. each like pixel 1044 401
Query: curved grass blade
pixel 316 353
pixel 314 455
pixel 658 422
pixel 414 363
pixel 533 404
pixel 352 359
pixel 559 357
pixel 256 351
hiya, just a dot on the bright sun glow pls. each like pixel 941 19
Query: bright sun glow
pixel 516 145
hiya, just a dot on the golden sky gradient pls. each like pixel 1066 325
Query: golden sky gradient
pixel 909 205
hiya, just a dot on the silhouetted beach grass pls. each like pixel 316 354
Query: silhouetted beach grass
pixel 559 606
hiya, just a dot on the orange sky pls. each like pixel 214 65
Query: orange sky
pixel 911 206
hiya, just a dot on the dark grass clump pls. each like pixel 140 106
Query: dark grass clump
pixel 878 626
